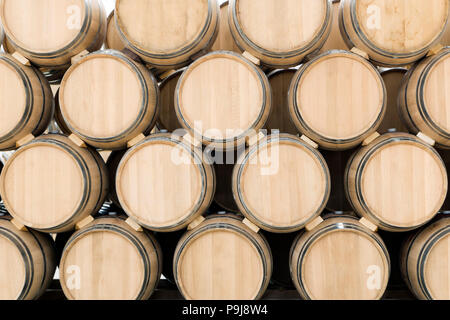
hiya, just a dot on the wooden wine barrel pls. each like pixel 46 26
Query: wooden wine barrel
pixel 281 183
pixel 167 33
pixel 49 33
pixel 223 98
pixel 167 118
pixel 168 242
pixel 378 28
pixel 398 182
pixel 113 40
pixel 423 99
pixel 112 164
pixel 27 102
pixel 164 183
pixel 224 40
pixel 120 99
pixel 109 260
pixel 2 34
pixel 58 117
pixel 335 40
pixel 392 119
pixel 238 267
pixel 51 184
pixel 280 33
pixel 340 259
pixel 446 38
pixel 280 119
pixel 27 262
pixel 423 261
pixel 338 99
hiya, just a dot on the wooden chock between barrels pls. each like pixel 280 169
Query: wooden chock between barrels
pixel 135 140
pixel 19 225
pixel 255 139
pixel 75 139
pixel 313 224
pixel 190 139
pixel 360 52
pixel 251 225
pixel 310 142
pixel 83 223
pixel 194 224
pixel 79 56
pixel 21 59
pixel 166 74
pixel 435 49
pixel 370 139
pixel 133 224
pixel 252 58
pixel 422 136
pixel 368 224
pixel 25 140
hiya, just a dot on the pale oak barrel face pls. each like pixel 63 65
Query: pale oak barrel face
pixel 340 260
pixel 424 101
pixel 151 28
pixel 279 119
pixel 50 32
pixel 224 40
pixel 425 261
pixel 338 99
pixel 281 184
pixel 27 103
pixel 120 99
pixel 112 262
pixel 222 259
pixel 280 33
pixel 51 184
pixel 113 40
pixel 335 40
pixel 222 98
pixel 398 182
pixel 27 263
pixel 378 28
pixel 167 118
pixel 164 184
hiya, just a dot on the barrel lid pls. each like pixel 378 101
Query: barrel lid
pixel 161 183
pixel 402 181
pixel 281 184
pixel 43 184
pixel 15 96
pixel 338 97
pixel 343 263
pixel 382 23
pixel 221 97
pixel 283 26
pixel 43 26
pixel 114 96
pixel 154 25
pixel 102 266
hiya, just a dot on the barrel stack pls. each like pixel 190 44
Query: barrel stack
pixel 263 143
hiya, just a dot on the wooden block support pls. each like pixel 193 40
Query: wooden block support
pixel 135 140
pixel 21 59
pixel 310 142
pixel 194 224
pixel 79 56
pixel 252 58
pixel 360 52
pixel 133 224
pixel 426 139
pixel 313 224
pixel 368 224
pixel 255 139
pixel 435 50
pixel 251 225
pixel 370 139
pixel 24 140
pixel 18 225
pixel 190 139
pixel 75 139
pixel 83 223
pixel 167 74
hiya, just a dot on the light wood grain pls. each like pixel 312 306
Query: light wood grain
pixel 167 33
pixel 27 102
pixel 425 261
pixel 113 40
pixel 27 262
pixel 398 182
pixel 164 183
pixel 222 259
pixel 50 32
pixel 445 41
pixel 224 39
pixel 51 184
pixel 392 119
pixel 281 184
pixel 280 33
pixel 333 261
pixel 424 101
pixel 338 99
pixel 167 118
pixel 226 95
pixel 335 41
pixel 394 32
pixel 113 261
pixel 120 99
